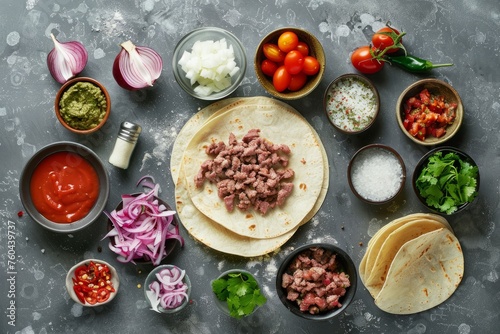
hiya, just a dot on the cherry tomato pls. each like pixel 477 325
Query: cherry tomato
pixel 268 67
pixel 288 41
pixel 311 65
pixel 273 52
pixel 294 62
pixel 303 48
pixel 281 79
pixel 363 61
pixel 297 82
pixel 382 41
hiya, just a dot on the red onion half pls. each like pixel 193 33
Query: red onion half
pixel 66 60
pixel 136 67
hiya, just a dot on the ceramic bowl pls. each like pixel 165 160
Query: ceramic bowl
pixel 152 278
pixel 222 304
pixel 345 264
pixel 315 50
pixel 424 161
pixel 351 103
pixel 115 282
pixel 169 244
pixel 438 88
pixel 376 174
pixel 209 34
pixel 60 95
pixel 37 158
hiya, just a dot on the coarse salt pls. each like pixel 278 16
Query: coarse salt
pixel 351 104
pixel 376 174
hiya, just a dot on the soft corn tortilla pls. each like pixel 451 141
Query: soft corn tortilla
pixel 390 247
pixel 202 228
pixel 425 272
pixel 376 242
pixel 306 160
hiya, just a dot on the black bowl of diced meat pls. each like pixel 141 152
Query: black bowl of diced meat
pixel 317 281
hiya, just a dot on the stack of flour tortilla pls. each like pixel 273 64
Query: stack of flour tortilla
pixel 412 264
pixel 247 233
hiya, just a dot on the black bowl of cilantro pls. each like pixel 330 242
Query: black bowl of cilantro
pixel 446 180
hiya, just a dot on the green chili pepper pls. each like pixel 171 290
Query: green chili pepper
pixel 414 64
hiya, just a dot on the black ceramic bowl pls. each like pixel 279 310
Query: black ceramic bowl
pixel 38 157
pixel 423 162
pixel 346 265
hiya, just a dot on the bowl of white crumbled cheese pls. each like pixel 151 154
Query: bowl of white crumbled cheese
pixel 209 63
pixel 351 103
pixel 376 174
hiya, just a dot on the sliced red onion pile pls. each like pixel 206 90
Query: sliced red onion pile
pixel 143 226
pixel 136 67
pixel 66 59
pixel 168 291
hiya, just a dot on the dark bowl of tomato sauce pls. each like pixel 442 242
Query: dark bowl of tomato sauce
pixel 64 187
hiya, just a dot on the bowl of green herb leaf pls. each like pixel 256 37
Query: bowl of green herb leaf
pixel 237 293
pixel 446 180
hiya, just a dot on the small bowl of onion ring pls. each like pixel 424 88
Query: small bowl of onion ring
pixel 136 223
pixel 167 289
pixel 221 69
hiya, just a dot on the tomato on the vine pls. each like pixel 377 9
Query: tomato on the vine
pixel 384 38
pixel 303 48
pixel 365 62
pixel 281 79
pixel 297 81
pixel 311 65
pixel 288 41
pixel 294 62
pixel 268 67
pixel 273 52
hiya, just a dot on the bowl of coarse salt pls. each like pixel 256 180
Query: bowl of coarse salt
pixel 376 174
pixel 351 103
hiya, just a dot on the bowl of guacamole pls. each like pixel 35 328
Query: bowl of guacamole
pixel 82 105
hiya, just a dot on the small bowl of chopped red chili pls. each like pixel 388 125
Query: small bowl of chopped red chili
pixel 429 112
pixel 446 180
pixel 376 174
pixel 167 289
pixel 82 105
pixel 92 282
pixel 289 63
pixel 351 103
pixel 317 281
pixel 64 187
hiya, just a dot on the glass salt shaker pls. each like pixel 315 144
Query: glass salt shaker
pixel 125 144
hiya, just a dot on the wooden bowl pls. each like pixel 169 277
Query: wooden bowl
pixel 315 50
pixel 435 87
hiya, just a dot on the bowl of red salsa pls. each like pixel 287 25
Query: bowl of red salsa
pixel 429 112
pixel 64 187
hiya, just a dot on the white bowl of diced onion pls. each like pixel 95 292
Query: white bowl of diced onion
pixel 167 289
pixel 209 63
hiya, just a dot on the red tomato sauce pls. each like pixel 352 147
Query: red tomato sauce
pixel 64 187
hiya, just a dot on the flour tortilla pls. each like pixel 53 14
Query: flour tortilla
pixel 306 160
pixel 376 242
pixel 390 247
pixel 206 230
pixel 425 272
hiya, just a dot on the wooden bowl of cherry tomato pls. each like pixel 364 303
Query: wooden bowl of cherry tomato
pixel 429 112
pixel 289 63
pixel 92 282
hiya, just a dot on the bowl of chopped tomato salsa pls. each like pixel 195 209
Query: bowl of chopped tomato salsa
pixel 64 187
pixel 92 282
pixel 316 281
pixel 429 112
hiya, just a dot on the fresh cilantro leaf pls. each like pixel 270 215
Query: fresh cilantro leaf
pixel 447 182
pixel 241 293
